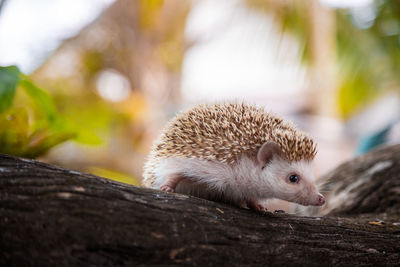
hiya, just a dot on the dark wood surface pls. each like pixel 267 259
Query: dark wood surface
pixel 50 216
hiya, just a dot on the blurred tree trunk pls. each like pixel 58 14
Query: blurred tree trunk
pixel 2 4
pixel 143 40
pixel 323 59
pixel 314 26
pixel 52 216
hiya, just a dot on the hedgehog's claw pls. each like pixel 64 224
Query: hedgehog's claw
pixel 252 204
pixel 167 188
pixel 171 183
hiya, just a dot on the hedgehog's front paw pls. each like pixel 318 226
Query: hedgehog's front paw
pixel 167 188
pixel 254 205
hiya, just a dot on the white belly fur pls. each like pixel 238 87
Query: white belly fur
pixel 211 179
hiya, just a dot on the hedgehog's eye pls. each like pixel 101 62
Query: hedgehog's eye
pixel 294 178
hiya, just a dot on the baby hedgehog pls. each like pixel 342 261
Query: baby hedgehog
pixel 235 153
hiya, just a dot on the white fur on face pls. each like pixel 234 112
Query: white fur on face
pixel 238 182
pixel 303 192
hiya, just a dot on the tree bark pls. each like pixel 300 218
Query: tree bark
pixel 50 216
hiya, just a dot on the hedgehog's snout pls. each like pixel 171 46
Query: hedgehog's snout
pixel 320 200
pixel 314 199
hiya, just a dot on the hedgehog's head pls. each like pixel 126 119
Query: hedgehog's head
pixel 285 179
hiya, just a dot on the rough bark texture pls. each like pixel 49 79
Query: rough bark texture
pixel 55 217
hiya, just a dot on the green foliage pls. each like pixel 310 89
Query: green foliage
pixel 368 57
pixel 115 175
pixel 40 98
pixel 30 130
pixel 93 62
pixel 149 12
pixel 355 89
pixel 9 77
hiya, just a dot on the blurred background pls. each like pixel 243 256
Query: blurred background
pixel 97 79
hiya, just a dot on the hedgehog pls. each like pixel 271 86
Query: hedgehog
pixel 235 153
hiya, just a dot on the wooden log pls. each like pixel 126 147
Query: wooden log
pixel 50 216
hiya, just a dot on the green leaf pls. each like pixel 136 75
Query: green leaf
pixel 43 140
pixel 82 135
pixel 22 136
pixel 9 77
pixel 14 131
pixel 41 99
pixel 87 137
pixel 56 122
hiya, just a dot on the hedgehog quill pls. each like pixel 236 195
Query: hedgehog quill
pixel 235 153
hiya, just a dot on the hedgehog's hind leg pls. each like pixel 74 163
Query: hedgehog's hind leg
pixel 172 181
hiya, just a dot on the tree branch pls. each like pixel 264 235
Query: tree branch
pixel 51 216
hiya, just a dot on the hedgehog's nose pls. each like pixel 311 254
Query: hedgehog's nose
pixel 321 200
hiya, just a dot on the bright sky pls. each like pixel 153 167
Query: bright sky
pixel 242 55
pixel 31 30
pixel 346 3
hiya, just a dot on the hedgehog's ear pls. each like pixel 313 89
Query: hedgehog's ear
pixel 266 152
